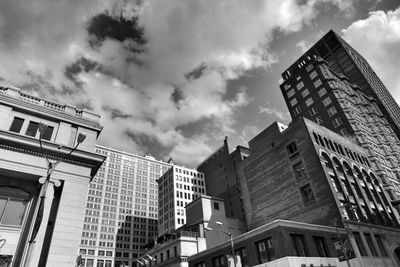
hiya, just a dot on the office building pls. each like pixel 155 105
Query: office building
pixel 342 58
pixel 177 188
pixel 309 174
pixel 316 92
pixel 221 177
pixel 121 209
pixel 44 175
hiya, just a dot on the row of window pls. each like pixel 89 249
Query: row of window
pixel 32 128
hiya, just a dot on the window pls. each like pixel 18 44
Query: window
pixel 292 149
pixel 359 243
pixel 305 92
pixel 331 111
pixel 100 263
pixel 309 101
pixel 108 263
pixel 89 262
pixel 32 128
pixel 322 92
pixel 319 120
pixel 48 133
pixel 219 261
pixel 371 246
pixel 313 75
pixel 299 245
pixel 381 246
pixel 216 205
pixel 309 67
pixel 297 110
pixel 243 256
pixel 266 250
pixel 293 102
pixel 317 83
pixel 337 122
pixel 13 204
pixel 322 248
pixel 101 252
pixel 291 93
pixel 327 101
pixel 307 194
pixel 299 170
pixel 201 264
pixel 300 85
pixel 16 125
pixel 313 111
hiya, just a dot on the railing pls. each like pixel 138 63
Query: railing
pixel 29 98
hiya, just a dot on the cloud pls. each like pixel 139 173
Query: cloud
pixel 248 133
pixel 377 38
pixel 148 68
pixel 282 115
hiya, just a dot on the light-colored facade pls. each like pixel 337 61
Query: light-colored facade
pixel 177 188
pixel 121 209
pixel 54 229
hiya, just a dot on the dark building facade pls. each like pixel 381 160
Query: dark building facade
pixel 302 187
pixel 317 92
pixel 342 58
pixel 221 177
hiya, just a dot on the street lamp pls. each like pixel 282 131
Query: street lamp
pixel 230 239
pixel 51 165
pixel 338 234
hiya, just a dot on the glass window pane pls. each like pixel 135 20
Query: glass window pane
pixel 14 212
pixel 3 202
pixel 16 125
pixel 32 128
pixel 48 133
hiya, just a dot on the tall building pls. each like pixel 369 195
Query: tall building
pixel 177 188
pixel 121 209
pixel 43 183
pixel 342 58
pixel 316 92
pixel 221 177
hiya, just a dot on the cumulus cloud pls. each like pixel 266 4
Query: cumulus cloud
pixel 282 115
pixel 148 68
pixel 377 38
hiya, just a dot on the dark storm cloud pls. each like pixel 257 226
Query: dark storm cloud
pixel 81 65
pixel 104 26
pixel 177 96
pixel 196 73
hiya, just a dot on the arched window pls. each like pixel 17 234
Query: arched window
pixel 13 204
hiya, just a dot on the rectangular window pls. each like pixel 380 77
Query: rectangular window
pixel 293 102
pixel 216 205
pixel 305 92
pixel 48 133
pixel 381 246
pixel 292 149
pixel 266 250
pixel 313 75
pixel 100 263
pixel 309 67
pixel 299 245
pixel 360 244
pixel 371 246
pixel 16 125
pixel 243 256
pixel 297 110
pixel 291 93
pixel 201 264
pixel 307 194
pixel 327 101
pixel 309 101
pixel 331 111
pixel 322 92
pixel 219 261
pixel 32 129
pixel 300 85
pixel 317 83
pixel 299 170
pixel 313 111
pixel 89 262
pixel 322 248
pixel 319 120
pixel 337 122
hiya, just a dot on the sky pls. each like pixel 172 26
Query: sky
pixel 173 78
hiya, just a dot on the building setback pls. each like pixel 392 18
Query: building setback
pixel 221 177
pixel 342 58
pixel 121 209
pixel 45 234
pixel 177 188
pixel 316 92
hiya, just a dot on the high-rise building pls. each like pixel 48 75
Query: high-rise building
pixel 177 188
pixel 315 91
pixel 121 209
pixel 221 177
pixel 43 183
pixel 342 58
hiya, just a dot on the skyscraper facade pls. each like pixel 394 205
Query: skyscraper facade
pixel 177 188
pixel 315 91
pixel 342 58
pixel 121 209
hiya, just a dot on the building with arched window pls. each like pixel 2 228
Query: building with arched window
pixel 43 185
